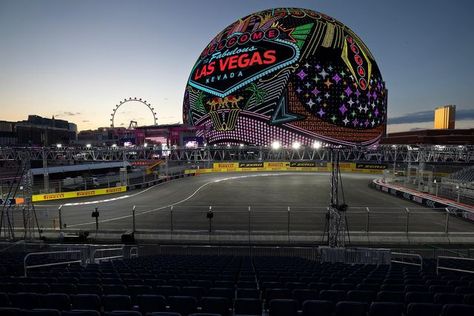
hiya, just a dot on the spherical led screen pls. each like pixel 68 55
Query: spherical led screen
pixel 287 75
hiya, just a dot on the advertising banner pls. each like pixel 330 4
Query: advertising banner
pixel 77 194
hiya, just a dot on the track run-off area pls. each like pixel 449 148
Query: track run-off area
pixel 276 203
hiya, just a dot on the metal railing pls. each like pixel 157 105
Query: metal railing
pixel 103 251
pixel 439 267
pixel 404 255
pixel 26 267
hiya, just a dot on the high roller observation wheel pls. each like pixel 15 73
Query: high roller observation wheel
pixel 135 99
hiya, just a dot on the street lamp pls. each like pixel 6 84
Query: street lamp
pixel 59 146
pixel 436 187
pixel 317 145
pixel 88 146
pixel 296 145
pixel 276 145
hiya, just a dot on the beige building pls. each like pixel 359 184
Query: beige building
pixel 444 117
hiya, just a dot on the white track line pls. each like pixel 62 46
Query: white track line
pixel 179 202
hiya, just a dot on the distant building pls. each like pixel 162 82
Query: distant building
pixel 7 133
pixel 431 137
pixel 37 131
pixel 445 117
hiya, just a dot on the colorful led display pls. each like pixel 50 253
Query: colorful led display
pixel 287 75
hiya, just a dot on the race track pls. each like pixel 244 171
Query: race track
pixel 268 195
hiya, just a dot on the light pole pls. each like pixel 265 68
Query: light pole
pixel 436 187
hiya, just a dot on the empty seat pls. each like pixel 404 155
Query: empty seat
pixel 9 311
pixel 25 300
pixel 120 289
pixel 441 289
pixel 248 306
pixel 221 292
pixel 217 305
pixel 418 297
pixel 123 313
pixel 283 307
pixel 151 303
pixel 67 288
pixel 184 305
pixel 271 294
pixel 37 287
pixel 469 299
pixel 41 312
pixel 167 290
pixel 195 291
pixel 301 295
pixel 386 309
pixel 332 295
pixel 448 298
pixel 116 302
pixel 392 287
pixel 248 293
pixel 89 289
pixel 318 307
pixel 391 296
pixel 347 308
pixel 4 300
pixel 342 286
pixel 464 290
pixel 424 309
pixel 58 301
pixel 86 301
pixel 416 288
pixel 457 310
pixel 361 296
pixel 80 312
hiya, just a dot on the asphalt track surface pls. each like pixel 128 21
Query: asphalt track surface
pixel 269 195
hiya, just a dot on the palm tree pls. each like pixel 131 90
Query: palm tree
pixel 257 93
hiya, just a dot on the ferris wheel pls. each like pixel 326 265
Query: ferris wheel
pixel 155 120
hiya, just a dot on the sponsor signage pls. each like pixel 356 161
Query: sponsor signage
pixel 302 164
pixel 77 194
pixel 250 164
pixel 370 166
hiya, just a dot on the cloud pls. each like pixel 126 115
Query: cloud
pixel 428 116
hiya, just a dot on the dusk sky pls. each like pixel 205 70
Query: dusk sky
pixel 77 59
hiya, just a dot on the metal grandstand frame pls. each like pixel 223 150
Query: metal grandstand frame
pixel 384 153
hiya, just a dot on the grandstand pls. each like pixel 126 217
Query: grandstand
pixel 239 284
pixel 465 175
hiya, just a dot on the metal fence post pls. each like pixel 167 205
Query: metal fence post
pixel 408 219
pixel 249 224
pixel 288 224
pixel 60 217
pixel 133 217
pixel 171 219
pixel 446 227
pixel 368 220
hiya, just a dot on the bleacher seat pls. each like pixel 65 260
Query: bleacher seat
pixel 184 305
pixel 86 302
pixel 247 306
pixel 347 308
pixel 457 310
pixel 216 305
pixel 79 312
pixel 283 307
pixel 386 309
pixel 318 307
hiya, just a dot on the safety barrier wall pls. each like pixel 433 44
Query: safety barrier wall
pixel 77 194
pixel 305 166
